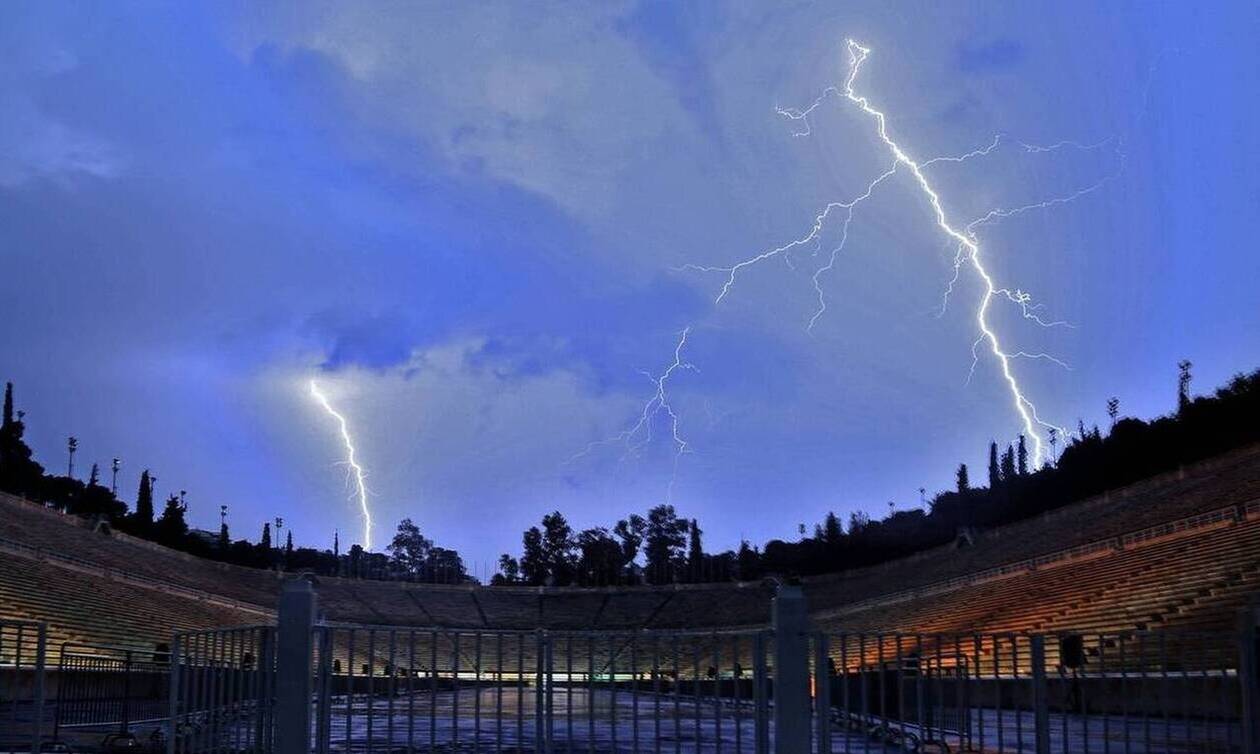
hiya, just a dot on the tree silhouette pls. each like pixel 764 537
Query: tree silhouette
pixel 8 405
pixel 995 474
pixel 832 531
pixel 265 542
pixel 20 474
pixel 630 531
pixel 509 570
pixel 599 557
pixel 356 557
pixel 171 528
pixel 409 550
pixel 748 562
pixel 964 484
pixel 666 535
pixel 1008 464
pixel 143 517
pixel 1021 458
pixel 558 549
pixel 1183 385
pixel 533 563
pixel 695 552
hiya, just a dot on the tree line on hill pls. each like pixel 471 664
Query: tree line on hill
pixel 1090 464
pixel 663 547
pixel 22 475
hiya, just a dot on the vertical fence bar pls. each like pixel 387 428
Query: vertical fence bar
pixel 761 715
pixel 1041 710
pixel 540 703
pixel 172 720
pixel 37 711
pixel 568 693
pixel 1249 681
pixel 323 714
pixel 822 692
pixel 656 694
pixel 477 692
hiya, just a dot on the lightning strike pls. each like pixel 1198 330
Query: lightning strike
pixel 969 247
pixel 967 253
pixel 361 491
pixel 639 435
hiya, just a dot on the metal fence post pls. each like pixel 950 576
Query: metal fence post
pixel 1249 679
pixel 294 638
pixel 41 659
pixel 1041 701
pixel 791 671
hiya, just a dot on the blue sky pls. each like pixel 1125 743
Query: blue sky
pixel 471 223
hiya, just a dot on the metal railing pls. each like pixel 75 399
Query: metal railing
pixel 306 686
pixel 109 689
pixel 222 691
pixel 384 689
pixel 23 652
pixel 1126 692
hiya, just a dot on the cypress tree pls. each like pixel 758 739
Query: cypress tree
pixel 1008 464
pixel 1021 457
pixel 831 530
pixel 144 502
pixel 8 405
pixel 1183 385
pixel 265 542
pixel 964 483
pixel 995 476
pixel 695 553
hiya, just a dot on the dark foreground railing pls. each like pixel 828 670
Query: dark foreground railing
pixel 308 687
pixel 1128 692
pixel 23 653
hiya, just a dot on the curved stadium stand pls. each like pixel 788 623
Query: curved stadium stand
pixel 1181 549
pixel 1110 612
pixel 1178 550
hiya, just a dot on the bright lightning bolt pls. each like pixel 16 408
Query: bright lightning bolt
pixel 964 238
pixel 969 248
pixel 361 491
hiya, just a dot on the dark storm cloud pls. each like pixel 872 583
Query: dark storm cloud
pixel 466 219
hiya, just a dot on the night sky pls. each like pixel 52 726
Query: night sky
pixel 472 227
